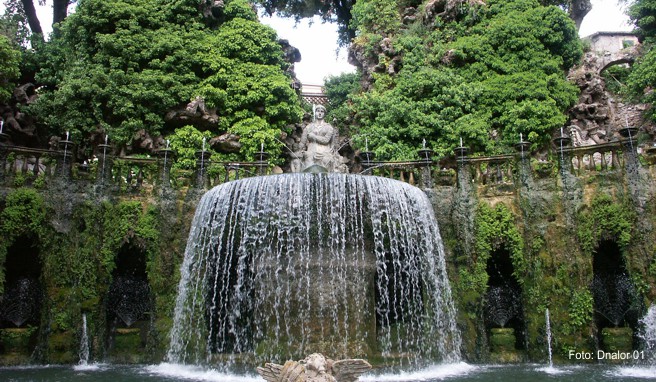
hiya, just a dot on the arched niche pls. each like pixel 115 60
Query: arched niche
pixel 617 303
pixel 129 301
pixel 503 308
pixel 20 305
pixel 21 301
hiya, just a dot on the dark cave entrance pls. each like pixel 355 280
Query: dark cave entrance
pixel 503 306
pixel 616 300
pixel 20 305
pixel 129 300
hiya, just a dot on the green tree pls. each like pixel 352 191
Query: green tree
pixel 486 78
pixel 120 66
pixel 642 78
pixel 338 11
pixel 9 69
pixel 643 14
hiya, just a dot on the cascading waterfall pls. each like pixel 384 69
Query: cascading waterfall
pixel 84 343
pixel 281 266
pixel 648 335
pixel 547 324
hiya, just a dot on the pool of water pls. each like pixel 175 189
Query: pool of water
pixel 452 372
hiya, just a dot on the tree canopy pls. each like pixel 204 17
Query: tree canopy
pixel 119 66
pixel 496 72
pixel 641 80
pixel 9 69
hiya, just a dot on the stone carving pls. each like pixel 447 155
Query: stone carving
pixel 195 113
pixel 318 146
pixel 598 114
pixel 315 368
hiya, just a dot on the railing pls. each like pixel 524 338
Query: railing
pixel 20 166
pixel 596 158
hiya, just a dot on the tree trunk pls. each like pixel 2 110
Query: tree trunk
pixel 32 19
pixel 578 10
pixel 59 10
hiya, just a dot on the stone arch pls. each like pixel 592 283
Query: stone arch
pixel 503 305
pixel 616 300
pixel 129 302
pixel 626 59
pixel 21 301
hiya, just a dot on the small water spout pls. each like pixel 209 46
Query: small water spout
pixel 648 335
pixel 548 330
pixel 84 343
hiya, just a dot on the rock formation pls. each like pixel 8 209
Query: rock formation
pixel 315 368
pixel 598 114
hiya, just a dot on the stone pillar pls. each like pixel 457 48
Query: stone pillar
pixel 523 151
pixel 65 159
pixel 630 145
pixel 261 157
pixel 461 161
pixel 367 160
pixel 202 161
pixel 426 163
pixel 164 163
pixel 564 160
pixel 105 164
pixel 4 152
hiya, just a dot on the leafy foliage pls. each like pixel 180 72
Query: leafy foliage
pixel 338 11
pixel 605 219
pixel 9 70
pixel 487 78
pixel 643 14
pixel 120 66
pixel 495 229
pixel 13 23
pixel 24 215
pixel 339 89
pixel 185 142
pixel 642 78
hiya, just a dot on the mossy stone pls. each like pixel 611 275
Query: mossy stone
pixel 617 339
pixel 502 340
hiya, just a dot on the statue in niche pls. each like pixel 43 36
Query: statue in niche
pixel 318 147
pixel 315 368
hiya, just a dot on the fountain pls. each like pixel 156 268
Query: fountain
pixel 648 335
pixel 84 343
pixel 278 267
pixel 129 298
pixel 547 324
pixel 614 297
pixel 502 304
pixel 21 301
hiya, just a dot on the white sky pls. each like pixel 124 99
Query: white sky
pixel 317 41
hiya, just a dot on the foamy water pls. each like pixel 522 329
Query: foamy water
pixel 197 373
pixel 89 367
pixel 634 372
pixel 430 373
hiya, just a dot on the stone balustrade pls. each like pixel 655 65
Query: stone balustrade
pixel 20 166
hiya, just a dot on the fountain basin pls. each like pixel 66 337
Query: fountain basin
pixel 281 266
pixel 502 345
pixel 18 340
pixel 617 339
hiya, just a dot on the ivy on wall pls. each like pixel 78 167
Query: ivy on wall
pixel 24 215
pixel 495 229
pixel 604 219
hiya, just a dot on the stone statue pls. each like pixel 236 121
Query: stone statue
pixel 315 368
pixel 318 146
